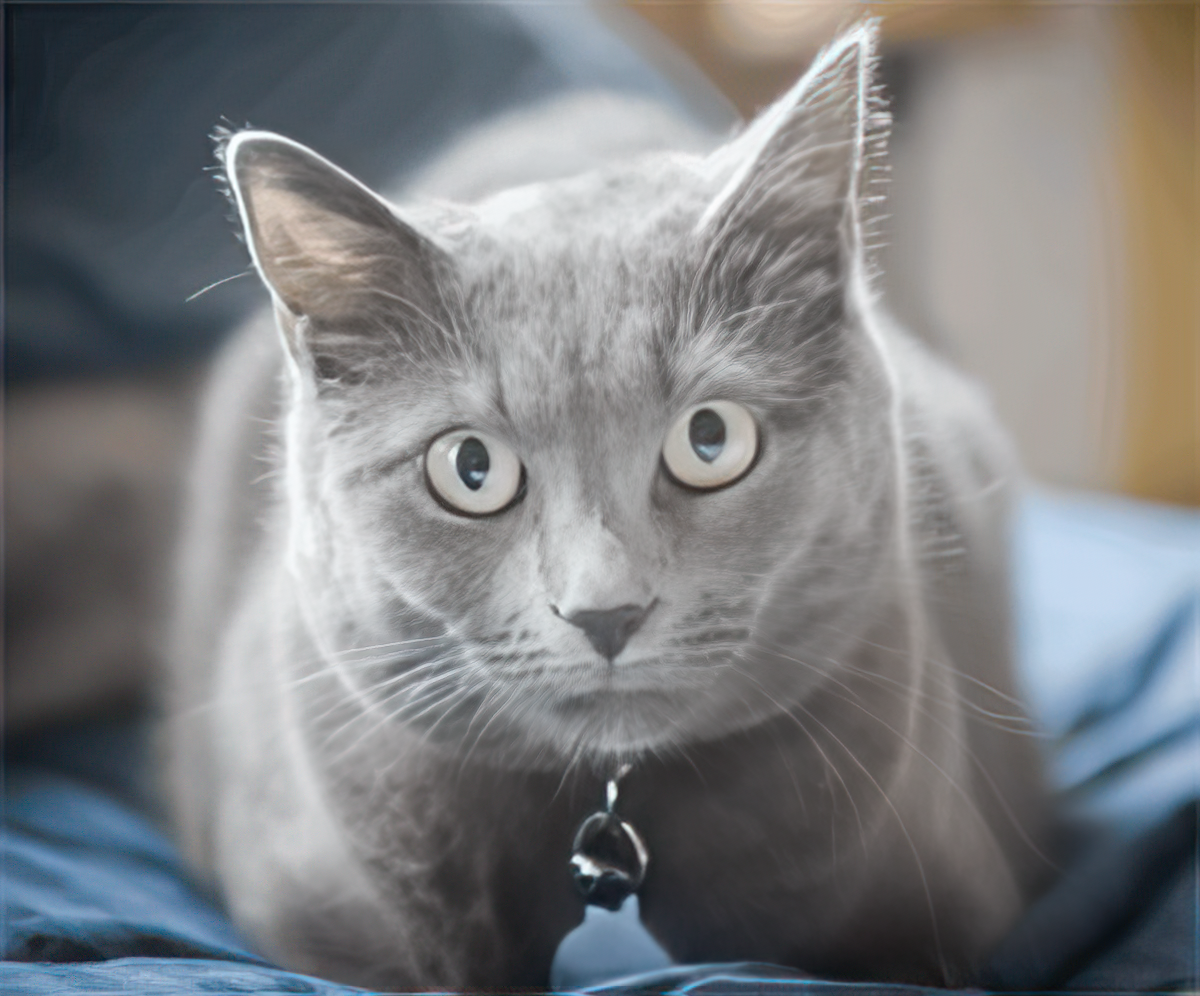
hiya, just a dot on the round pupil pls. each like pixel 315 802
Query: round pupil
pixel 472 462
pixel 706 433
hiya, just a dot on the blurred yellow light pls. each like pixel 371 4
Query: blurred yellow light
pixel 762 30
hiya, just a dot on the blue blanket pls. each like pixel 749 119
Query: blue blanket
pixel 1108 595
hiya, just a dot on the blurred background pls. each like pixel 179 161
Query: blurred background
pixel 1043 233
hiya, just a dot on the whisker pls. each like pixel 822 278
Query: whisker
pixel 249 271
pixel 852 698
pixel 862 834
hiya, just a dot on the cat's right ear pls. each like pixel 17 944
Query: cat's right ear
pixel 342 267
pixel 806 171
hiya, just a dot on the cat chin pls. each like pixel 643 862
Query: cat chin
pixel 598 730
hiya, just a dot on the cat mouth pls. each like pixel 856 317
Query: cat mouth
pixel 603 685
pixel 685 665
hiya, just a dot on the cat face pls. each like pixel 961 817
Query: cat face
pixel 596 466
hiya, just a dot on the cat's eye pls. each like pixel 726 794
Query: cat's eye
pixel 473 472
pixel 711 445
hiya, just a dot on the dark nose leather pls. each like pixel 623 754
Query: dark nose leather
pixel 609 630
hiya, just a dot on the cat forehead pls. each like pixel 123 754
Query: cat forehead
pixel 584 264
pixel 556 334
pixel 638 210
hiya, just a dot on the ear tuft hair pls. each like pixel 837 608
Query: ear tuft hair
pixel 221 135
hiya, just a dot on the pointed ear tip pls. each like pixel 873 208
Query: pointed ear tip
pixel 860 41
pixel 865 32
pixel 245 150
pixel 240 144
pixel 863 37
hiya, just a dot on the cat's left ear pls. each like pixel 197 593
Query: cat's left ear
pixel 811 165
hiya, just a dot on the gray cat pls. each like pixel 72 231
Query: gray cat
pixel 623 468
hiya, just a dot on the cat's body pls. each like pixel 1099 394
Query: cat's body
pixel 391 716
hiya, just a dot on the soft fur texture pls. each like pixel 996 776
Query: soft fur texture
pixel 385 730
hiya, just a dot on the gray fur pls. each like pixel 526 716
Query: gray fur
pixel 383 736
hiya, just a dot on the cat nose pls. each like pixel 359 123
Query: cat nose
pixel 608 630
